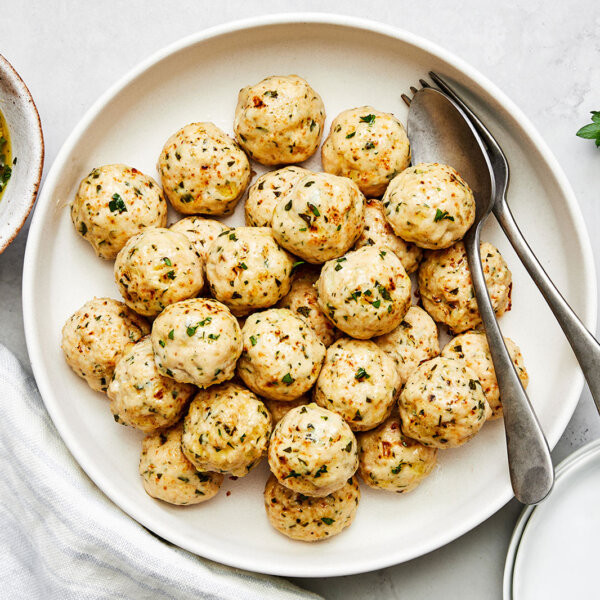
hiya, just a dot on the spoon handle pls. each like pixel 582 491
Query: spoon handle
pixel 530 464
pixel 584 344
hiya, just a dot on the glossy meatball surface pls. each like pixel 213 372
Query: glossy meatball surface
pixel 414 341
pixel 156 268
pixel 388 460
pixel 310 519
pixel 203 170
pixel 313 451
pixel 320 218
pixel 169 476
pixel 226 430
pixel 114 203
pixel 446 288
pixel 247 270
pixel 140 396
pixel 281 356
pixel 472 347
pixel 430 205
pixel 442 404
pixel 359 381
pixel 197 341
pixel 95 337
pixel 368 146
pixel 365 292
pixel 279 120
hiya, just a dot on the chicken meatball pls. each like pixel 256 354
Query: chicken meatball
pixel 263 194
pixel 313 451
pixel 247 270
pixel 282 355
pixel 429 204
pixel 169 476
pixel 140 396
pixel 280 408
pixel 95 337
pixel 308 519
pixel 365 293
pixel 302 301
pixel 203 170
pixel 114 203
pixel 156 268
pixel 320 218
pixel 200 232
pixel 472 347
pixel 378 232
pixel 414 341
pixel 368 146
pixel 197 341
pixel 388 460
pixel 446 288
pixel 279 121
pixel 359 382
pixel 442 404
pixel 226 430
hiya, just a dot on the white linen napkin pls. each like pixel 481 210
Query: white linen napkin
pixel 62 539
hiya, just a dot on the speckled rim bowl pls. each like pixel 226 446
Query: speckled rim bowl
pixel 25 129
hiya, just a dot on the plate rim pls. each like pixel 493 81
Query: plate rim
pixel 568 464
pixel 293 18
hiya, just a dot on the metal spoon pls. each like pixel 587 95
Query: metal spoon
pixel 440 132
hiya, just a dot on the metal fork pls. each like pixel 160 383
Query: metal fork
pixel 584 344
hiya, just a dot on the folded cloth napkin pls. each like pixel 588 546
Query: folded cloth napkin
pixel 62 539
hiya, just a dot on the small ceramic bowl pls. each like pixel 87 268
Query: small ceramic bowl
pixel 27 139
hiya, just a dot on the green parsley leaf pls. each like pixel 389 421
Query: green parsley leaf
pixel 314 210
pixel 369 119
pixel 351 135
pixel 167 261
pixel 591 131
pixel 253 340
pixel 287 378
pixel 440 216
pixel 117 204
pixel 361 374
pixel 171 335
pixel 327 520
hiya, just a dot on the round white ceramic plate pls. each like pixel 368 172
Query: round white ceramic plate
pixel 350 62
pixel 553 553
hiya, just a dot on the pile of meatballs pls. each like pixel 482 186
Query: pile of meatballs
pixel 293 337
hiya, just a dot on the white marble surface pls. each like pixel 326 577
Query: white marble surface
pixel 544 55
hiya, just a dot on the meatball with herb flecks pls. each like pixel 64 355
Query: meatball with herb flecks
pixel 320 218
pixel 282 355
pixel 279 120
pixel 389 460
pixel 446 288
pixel 430 205
pixel 310 519
pixel 263 194
pixel 169 476
pixel 197 341
pixel 140 396
pixel 442 404
pixel 359 382
pixel 114 203
pixel 472 347
pixel 365 292
pixel 203 170
pixel 313 451
pixel 378 232
pixel 95 337
pixel 226 430
pixel 414 341
pixel 368 146
pixel 156 268
pixel 247 270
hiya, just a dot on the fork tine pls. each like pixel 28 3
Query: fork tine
pixel 406 99
pixel 424 83
pixel 413 89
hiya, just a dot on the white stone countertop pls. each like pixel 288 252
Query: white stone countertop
pixel 544 55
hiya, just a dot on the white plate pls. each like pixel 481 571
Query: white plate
pixel 350 62
pixel 553 553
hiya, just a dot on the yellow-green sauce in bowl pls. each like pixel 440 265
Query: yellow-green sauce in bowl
pixel 6 159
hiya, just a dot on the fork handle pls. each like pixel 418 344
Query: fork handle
pixel 529 461
pixel 584 344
